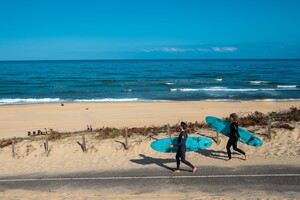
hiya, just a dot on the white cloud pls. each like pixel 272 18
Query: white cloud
pixel 173 49
pixel 168 49
pixel 216 49
pixel 224 49
pixel 203 50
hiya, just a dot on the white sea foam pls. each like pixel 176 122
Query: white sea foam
pixel 116 100
pixel 107 100
pixel 220 89
pixel 130 90
pixel 57 100
pixel 218 79
pixel 222 100
pixel 287 86
pixel 185 90
pixel 170 83
pixel 278 100
pixel 28 101
pixel 258 82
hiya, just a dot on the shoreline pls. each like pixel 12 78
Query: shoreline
pixel 18 119
pixel 87 101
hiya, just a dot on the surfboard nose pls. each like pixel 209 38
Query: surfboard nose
pixel 259 143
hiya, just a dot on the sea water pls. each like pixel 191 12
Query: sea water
pixel 27 82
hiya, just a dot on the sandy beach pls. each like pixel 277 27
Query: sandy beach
pixel 109 154
pixel 17 120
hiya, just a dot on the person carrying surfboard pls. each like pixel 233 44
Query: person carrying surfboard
pixel 182 149
pixel 234 137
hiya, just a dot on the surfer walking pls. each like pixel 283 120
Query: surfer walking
pixel 234 137
pixel 182 149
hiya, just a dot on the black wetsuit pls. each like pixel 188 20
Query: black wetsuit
pixel 234 137
pixel 181 150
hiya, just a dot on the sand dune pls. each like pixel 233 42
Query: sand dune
pixel 110 154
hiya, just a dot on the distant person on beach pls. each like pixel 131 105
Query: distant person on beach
pixel 234 137
pixel 182 149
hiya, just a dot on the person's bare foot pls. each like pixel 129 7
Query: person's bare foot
pixel 176 171
pixel 246 156
pixel 194 170
pixel 229 160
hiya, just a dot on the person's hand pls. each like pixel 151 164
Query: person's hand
pixel 171 146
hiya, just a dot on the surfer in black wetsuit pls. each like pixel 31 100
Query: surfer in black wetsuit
pixel 182 148
pixel 234 137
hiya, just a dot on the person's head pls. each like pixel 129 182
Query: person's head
pixel 233 117
pixel 183 126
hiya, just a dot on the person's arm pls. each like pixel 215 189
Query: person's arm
pixel 182 137
pixel 235 126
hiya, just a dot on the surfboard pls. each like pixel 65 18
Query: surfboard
pixel 192 144
pixel 223 127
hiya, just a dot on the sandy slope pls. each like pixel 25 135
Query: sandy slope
pixel 110 154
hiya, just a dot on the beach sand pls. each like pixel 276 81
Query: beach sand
pixel 66 157
pixel 17 120
pixel 109 154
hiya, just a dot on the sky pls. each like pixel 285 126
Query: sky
pixel 149 29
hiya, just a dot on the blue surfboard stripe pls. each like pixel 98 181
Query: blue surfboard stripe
pixel 223 127
pixel 192 144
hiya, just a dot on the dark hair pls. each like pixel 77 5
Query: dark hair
pixel 233 116
pixel 184 126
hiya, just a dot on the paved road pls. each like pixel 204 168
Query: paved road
pixel 283 180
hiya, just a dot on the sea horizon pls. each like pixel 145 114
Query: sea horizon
pixel 154 59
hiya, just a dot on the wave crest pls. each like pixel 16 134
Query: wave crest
pixel 216 89
pixel 258 82
pixel 28 101
pixel 287 86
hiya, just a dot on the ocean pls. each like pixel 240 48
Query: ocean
pixel 31 82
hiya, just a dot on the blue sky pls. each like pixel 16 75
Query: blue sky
pixel 149 29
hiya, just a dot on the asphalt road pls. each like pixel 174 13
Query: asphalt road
pixel 282 180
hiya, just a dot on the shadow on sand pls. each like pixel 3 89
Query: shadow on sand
pixel 147 160
pixel 221 155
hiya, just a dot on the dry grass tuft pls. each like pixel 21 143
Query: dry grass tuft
pixel 260 119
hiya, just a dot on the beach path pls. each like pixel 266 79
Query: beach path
pixel 243 181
